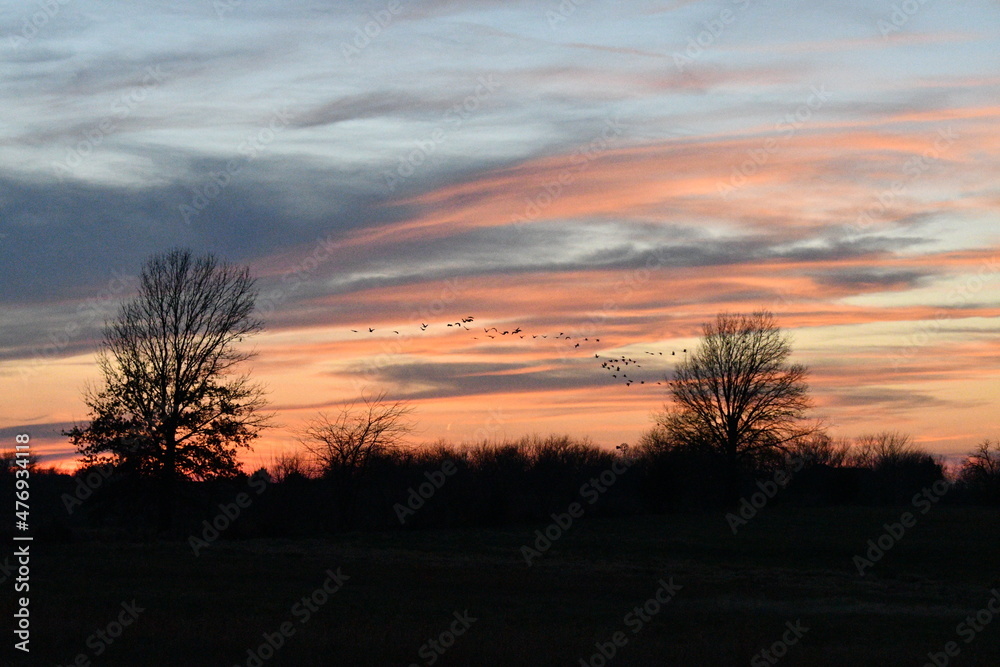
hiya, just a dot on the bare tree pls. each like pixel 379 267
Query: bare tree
pixel 981 470
pixel 737 395
pixel 171 405
pixel 9 462
pixel 345 444
pixel 985 459
pixel 289 465
pixel 884 450
pixel 820 449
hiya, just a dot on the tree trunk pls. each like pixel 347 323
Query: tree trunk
pixel 734 480
pixel 168 487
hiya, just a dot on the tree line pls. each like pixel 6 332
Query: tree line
pixel 175 408
pixel 501 482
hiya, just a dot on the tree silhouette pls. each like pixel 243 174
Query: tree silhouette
pixel 345 444
pixel 171 406
pixel 736 394
pixel 886 449
pixel 981 471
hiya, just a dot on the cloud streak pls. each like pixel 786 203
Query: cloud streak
pixel 596 189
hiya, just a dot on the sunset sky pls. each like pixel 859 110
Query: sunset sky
pixel 612 170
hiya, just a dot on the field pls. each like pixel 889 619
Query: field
pixel 733 597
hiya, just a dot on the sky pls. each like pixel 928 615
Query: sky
pixel 620 171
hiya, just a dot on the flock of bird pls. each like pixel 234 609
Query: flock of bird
pixel 618 367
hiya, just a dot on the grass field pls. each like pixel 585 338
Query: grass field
pixel 403 588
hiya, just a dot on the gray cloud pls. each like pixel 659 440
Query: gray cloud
pixel 411 379
pixel 855 277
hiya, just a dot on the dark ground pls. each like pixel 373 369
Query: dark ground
pixel 404 587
